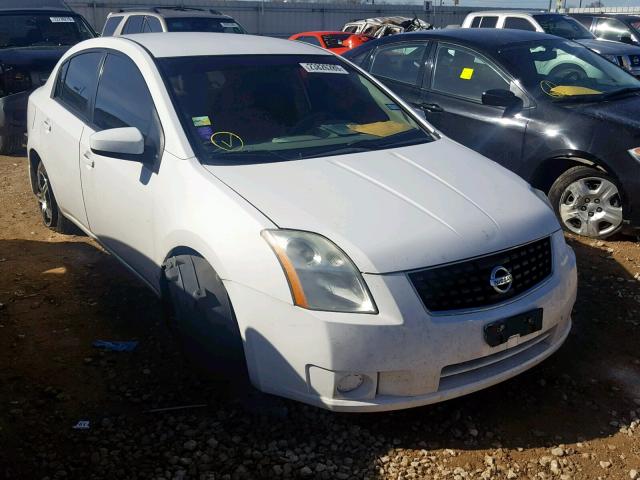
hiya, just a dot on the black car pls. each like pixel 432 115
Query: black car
pixel 32 40
pixel 561 116
pixel 618 27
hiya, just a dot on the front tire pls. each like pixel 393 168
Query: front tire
pixel 587 202
pixel 49 211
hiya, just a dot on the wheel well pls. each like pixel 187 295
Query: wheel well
pixel 549 170
pixel 34 159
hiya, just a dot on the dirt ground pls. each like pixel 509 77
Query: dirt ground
pixel 573 417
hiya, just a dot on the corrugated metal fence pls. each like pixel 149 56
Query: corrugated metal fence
pixel 281 19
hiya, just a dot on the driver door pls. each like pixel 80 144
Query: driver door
pixel 452 101
pixel 118 191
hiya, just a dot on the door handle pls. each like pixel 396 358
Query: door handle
pixel 430 107
pixel 88 159
pixel 47 125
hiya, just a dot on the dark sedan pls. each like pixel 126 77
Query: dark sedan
pixel 561 116
pixel 32 40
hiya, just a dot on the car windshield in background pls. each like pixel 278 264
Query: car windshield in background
pixel 264 108
pixel 561 26
pixel 335 40
pixel 203 24
pixel 29 30
pixel 562 70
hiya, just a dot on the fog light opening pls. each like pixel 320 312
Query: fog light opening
pixel 350 382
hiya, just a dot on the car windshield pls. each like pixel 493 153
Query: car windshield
pixel 562 26
pixel 34 30
pixel 264 108
pixel 566 71
pixel 203 24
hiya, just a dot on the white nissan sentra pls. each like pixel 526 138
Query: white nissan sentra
pixel 307 227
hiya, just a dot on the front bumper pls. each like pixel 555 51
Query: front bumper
pixel 406 356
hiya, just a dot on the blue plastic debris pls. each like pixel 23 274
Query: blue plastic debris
pixel 116 346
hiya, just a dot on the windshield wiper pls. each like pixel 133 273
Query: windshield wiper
pixel 620 92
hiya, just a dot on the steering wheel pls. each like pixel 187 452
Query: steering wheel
pixel 568 74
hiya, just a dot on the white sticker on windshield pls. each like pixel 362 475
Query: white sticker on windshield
pixel 228 25
pixel 61 19
pixel 323 68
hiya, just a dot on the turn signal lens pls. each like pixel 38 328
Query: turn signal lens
pixel 320 275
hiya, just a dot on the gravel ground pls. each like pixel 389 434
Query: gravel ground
pixel 573 417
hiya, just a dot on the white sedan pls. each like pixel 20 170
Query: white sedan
pixel 306 226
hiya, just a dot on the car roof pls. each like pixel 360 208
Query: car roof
pixel 606 14
pixel 191 44
pixel 487 39
pixel 512 12
pixel 171 12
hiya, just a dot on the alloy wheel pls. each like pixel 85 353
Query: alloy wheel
pixel 591 207
pixel 44 198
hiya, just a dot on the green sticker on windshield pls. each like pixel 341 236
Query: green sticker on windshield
pixel 201 121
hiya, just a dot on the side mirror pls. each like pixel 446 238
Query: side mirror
pixel 116 142
pixel 499 97
pixel 627 39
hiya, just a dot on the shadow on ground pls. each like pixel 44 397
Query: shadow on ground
pixel 59 297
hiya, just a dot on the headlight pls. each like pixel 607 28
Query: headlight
pixel 635 153
pixel 320 275
pixel 542 196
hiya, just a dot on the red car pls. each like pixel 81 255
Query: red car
pixel 337 42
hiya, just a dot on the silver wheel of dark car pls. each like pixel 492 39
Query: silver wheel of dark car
pixel 44 197
pixel 588 202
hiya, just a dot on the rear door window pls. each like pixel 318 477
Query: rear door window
pixel 475 23
pixel 518 23
pixel 133 25
pixel 401 62
pixel 110 26
pixel 77 81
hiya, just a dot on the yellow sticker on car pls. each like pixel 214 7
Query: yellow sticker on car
pixel 466 74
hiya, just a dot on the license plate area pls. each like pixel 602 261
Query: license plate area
pixel 499 332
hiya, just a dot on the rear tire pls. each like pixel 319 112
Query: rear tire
pixel 202 317
pixel 49 211
pixel 587 202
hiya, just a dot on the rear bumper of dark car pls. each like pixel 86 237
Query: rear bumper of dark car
pixel 13 114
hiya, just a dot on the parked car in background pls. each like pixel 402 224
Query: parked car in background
pixel 382 26
pixel 551 110
pixel 560 25
pixel 169 19
pixel 305 224
pixel 618 27
pixel 32 40
pixel 337 42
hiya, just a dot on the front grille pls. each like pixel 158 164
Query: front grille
pixel 466 284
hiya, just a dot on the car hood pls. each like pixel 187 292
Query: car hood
pixel 622 111
pixel 37 58
pixel 398 209
pixel 608 47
